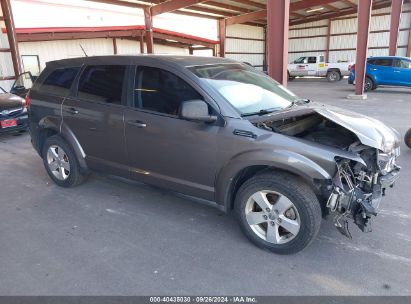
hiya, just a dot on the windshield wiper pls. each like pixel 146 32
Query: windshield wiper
pixel 261 112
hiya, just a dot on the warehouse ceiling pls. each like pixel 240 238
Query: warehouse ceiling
pixel 301 11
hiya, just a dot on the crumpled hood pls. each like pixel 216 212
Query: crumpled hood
pixel 370 132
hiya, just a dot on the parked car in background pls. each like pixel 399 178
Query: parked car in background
pixel 316 66
pixel 407 138
pixel 13 104
pixel 385 71
pixel 219 130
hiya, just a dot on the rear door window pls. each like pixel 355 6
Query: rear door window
pixel 383 62
pixel 312 59
pixel 59 81
pixel 403 64
pixel 102 83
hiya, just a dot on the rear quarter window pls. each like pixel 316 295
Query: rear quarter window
pixel 59 81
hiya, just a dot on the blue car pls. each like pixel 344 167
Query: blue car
pixel 385 71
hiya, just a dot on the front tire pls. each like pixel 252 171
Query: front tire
pixel 278 212
pixel 407 138
pixel 61 162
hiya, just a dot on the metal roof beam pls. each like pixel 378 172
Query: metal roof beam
pixel 172 5
pixel 295 6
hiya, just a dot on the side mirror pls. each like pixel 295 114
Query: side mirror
pixel 196 110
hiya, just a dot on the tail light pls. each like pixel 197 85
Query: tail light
pixel 27 101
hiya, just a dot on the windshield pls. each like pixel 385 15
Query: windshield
pixel 245 88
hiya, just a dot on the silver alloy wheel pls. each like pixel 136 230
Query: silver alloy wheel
pixel 332 76
pixel 58 162
pixel 272 216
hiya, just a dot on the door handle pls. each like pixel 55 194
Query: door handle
pixel 137 123
pixel 72 111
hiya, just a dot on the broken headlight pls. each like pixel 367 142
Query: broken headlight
pixel 386 161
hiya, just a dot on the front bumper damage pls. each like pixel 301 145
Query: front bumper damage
pixel 356 195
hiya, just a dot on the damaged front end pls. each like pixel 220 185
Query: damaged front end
pixel 357 188
pixel 359 183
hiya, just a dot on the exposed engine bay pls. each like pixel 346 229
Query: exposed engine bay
pixel 356 189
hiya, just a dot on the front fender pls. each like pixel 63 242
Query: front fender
pixel 280 159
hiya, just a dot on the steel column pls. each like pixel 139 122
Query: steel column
pixel 148 20
pixel 396 8
pixel 364 17
pixel 115 46
pixel 142 43
pixel 11 35
pixel 327 51
pixel 278 15
pixel 221 34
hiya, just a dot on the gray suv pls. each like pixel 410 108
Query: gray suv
pixel 218 130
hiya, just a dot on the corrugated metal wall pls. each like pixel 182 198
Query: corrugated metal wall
pixel 343 40
pixel 245 43
pixel 59 49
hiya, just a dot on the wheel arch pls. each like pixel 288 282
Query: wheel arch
pixel 49 127
pixel 243 167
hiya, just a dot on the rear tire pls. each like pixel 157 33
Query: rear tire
pixel 369 84
pixel 407 138
pixel 290 218
pixel 333 76
pixel 61 162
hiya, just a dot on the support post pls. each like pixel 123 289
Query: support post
pixel 364 17
pixel 190 50
pixel 148 20
pixel 396 8
pixel 221 34
pixel 278 15
pixel 115 46
pixel 142 43
pixel 328 40
pixel 11 35
pixel 214 51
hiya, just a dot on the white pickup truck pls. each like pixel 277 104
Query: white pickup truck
pixel 316 66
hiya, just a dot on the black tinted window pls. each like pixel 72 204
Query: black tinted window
pixel 371 61
pixel 102 83
pixel 312 59
pixel 59 81
pixel 383 62
pixel 161 91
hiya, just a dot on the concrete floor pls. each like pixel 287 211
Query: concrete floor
pixel 108 237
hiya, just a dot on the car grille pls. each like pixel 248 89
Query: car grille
pixel 11 112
